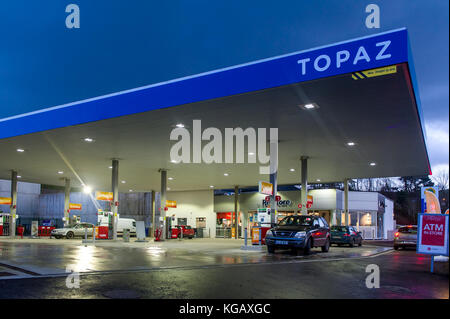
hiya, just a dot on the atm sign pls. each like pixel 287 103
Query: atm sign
pixel 433 234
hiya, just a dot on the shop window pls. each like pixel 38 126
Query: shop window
pixel 366 219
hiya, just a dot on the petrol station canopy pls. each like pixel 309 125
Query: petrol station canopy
pixel 363 91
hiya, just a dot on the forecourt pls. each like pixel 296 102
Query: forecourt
pixel 365 122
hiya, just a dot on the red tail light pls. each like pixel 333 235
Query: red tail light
pixel 397 234
pixel 346 235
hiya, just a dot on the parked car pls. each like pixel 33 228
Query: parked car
pixel 405 236
pixel 188 232
pixel 345 235
pixel 299 232
pixel 77 230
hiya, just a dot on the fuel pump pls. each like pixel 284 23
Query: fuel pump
pixel 106 219
pixel 4 224
pixel 6 221
pixel 264 222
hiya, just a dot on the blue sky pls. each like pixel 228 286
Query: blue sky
pixel 126 44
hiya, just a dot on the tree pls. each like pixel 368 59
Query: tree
pixel 441 179
pixel 414 183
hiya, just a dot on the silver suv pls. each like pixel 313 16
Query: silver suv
pixel 77 230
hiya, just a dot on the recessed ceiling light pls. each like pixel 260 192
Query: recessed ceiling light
pixel 318 180
pixel 309 106
pixel 18 176
pixel 109 166
pixel 251 153
pixel 351 143
pixel 20 150
pixel 168 188
pixel 292 169
pixel 123 182
pixel 170 178
pixel 130 190
pixel 373 164
pixel 181 125
pixel 225 174
pixel 174 161
pixel 211 186
pixel 87 189
pixel 88 139
pixel 60 172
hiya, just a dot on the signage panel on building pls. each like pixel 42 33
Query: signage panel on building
pixel 430 200
pixel 73 206
pixel 5 200
pixel 107 196
pixel 266 188
pixel 171 203
pixel 432 235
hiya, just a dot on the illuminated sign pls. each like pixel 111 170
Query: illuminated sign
pixel 265 188
pixel 280 202
pixel 5 200
pixel 171 203
pixel 432 235
pixel 107 196
pixel 430 200
pixel 73 206
pixel 309 202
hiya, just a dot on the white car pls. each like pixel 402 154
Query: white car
pixel 77 230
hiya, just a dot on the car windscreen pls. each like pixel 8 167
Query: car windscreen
pixel 408 230
pixel 339 228
pixel 296 221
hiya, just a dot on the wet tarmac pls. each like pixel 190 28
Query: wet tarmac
pixel 404 275
pixel 52 256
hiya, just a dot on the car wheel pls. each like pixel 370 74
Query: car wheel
pixel 307 248
pixel 352 243
pixel 396 247
pixel 326 247
pixel 360 243
pixel 69 235
pixel 270 249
